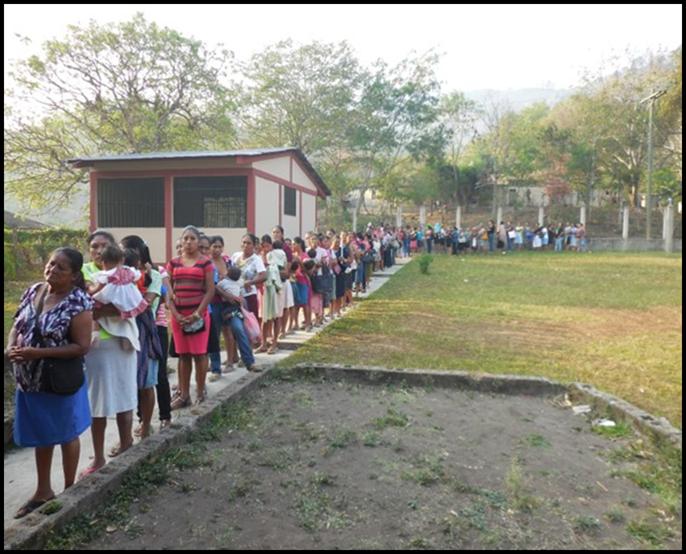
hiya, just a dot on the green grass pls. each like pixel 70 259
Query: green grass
pixel 569 317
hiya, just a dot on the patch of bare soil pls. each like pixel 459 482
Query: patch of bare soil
pixel 324 465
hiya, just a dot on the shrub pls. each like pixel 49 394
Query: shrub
pixel 424 262
pixel 30 249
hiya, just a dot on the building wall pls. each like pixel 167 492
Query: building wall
pixel 276 166
pixel 309 216
pixel 299 178
pixel 266 205
pixel 153 236
pixel 232 237
pixel 291 224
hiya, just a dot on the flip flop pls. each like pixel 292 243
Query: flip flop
pixel 31 506
pixel 88 471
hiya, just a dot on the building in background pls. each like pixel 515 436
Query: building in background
pixel 229 193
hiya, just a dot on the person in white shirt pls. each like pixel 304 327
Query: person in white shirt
pixel 252 271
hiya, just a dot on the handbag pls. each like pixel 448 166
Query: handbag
pixel 63 376
pixel 197 326
pixel 252 326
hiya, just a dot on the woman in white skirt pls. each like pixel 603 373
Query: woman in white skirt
pixel 111 371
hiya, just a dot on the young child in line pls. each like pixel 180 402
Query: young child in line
pixel 116 285
pixel 316 300
pixel 231 284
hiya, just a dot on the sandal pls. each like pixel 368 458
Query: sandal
pixel 86 472
pixel 179 402
pixel 31 506
pixel 253 368
pixel 273 349
pixel 165 424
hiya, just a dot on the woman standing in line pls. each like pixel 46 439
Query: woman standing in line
pixel 150 356
pixel 221 264
pixel 253 272
pixel 64 322
pixel 192 282
pixel 111 371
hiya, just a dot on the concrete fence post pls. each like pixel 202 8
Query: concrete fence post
pixel 582 216
pixel 422 215
pixel 499 216
pixel 669 228
pixel 399 217
pixel 625 226
pixel 458 217
pixel 541 215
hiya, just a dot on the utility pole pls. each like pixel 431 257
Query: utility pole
pixel 495 187
pixel 651 99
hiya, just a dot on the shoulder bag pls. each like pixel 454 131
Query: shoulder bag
pixel 62 376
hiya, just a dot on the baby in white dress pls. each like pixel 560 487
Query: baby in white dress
pixel 116 285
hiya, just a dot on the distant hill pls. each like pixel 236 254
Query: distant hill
pixel 519 99
pixel 15 222
pixel 74 216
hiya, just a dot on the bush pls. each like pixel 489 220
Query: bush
pixel 30 249
pixel 424 262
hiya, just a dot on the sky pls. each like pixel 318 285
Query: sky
pixel 483 46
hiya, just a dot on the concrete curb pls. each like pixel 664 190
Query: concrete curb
pixel 31 532
pixel 658 428
pixel 500 384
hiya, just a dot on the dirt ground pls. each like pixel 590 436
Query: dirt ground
pixel 336 465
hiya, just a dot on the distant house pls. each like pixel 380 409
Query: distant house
pixel 14 221
pixel 227 193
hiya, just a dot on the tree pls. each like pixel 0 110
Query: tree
pixel 620 123
pixel 299 96
pixel 129 87
pixel 396 115
pixel 460 117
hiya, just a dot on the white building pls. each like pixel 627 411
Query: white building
pixel 228 193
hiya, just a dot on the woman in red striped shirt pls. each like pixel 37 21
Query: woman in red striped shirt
pixel 191 277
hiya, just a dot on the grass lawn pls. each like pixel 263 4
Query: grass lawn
pixel 612 320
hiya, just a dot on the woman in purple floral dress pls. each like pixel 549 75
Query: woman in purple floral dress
pixel 43 419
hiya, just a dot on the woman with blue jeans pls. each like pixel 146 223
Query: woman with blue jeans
pixel 233 318
pixel 491 235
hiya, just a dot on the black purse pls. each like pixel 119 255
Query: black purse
pixel 63 376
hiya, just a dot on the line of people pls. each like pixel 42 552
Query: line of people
pixel 491 237
pixel 111 316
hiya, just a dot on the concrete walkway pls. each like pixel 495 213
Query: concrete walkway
pixel 20 467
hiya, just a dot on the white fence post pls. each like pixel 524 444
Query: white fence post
pixel 669 228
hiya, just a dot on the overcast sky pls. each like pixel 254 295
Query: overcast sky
pixel 483 46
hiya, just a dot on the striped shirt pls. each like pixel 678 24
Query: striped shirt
pixel 189 283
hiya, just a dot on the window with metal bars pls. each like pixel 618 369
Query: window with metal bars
pixel 211 201
pixel 289 201
pixel 131 202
